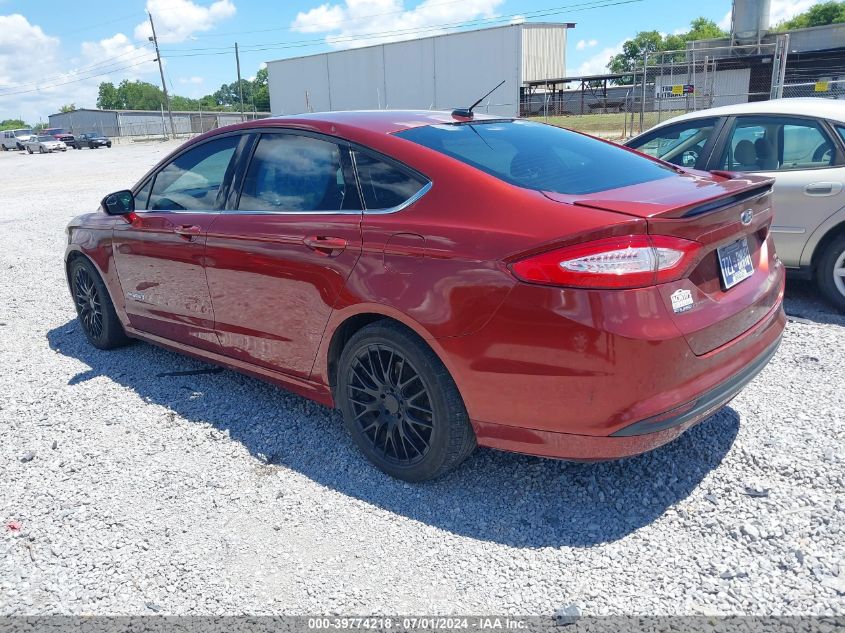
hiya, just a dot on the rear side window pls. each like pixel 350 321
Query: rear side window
pixel 539 157
pixel 773 143
pixel 385 185
pixel 193 179
pixel 297 174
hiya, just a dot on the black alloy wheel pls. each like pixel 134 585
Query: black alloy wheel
pixel 400 404
pixel 391 403
pixel 94 307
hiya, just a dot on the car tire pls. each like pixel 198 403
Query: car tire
pixel 29 150
pixel 830 272
pixel 94 308
pixel 400 405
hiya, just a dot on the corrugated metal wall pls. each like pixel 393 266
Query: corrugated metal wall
pixel 543 52
pixel 79 121
pixel 441 72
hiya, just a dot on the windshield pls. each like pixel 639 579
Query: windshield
pixel 23 132
pixel 44 137
pixel 539 157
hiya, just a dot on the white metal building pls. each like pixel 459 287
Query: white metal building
pixel 440 72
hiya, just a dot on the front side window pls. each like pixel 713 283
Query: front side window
pixel 192 181
pixel 384 185
pixel 539 157
pixel 681 144
pixel 777 144
pixel 297 174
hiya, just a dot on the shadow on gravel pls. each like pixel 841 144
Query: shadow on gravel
pixel 803 302
pixel 511 499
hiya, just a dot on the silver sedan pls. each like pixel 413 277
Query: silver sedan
pixel 799 142
pixel 44 144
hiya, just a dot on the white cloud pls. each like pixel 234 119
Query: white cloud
pixel 60 78
pixel 22 43
pixel 597 64
pixel 191 80
pixel 582 44
pixel 365 17
pixel 781 10
pixel 178 20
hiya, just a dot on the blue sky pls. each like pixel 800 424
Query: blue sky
pixel 56 52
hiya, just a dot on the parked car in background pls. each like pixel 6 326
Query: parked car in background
pixel 44 144
pixel 446 281
pixel 15 139
pixel 799 142
pixel 91 140
pixel 60 134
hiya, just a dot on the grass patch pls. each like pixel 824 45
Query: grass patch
pixel 611 125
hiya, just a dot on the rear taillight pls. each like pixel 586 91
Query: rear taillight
pixel 619 262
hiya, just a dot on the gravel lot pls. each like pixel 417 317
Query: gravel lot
pixel 129 488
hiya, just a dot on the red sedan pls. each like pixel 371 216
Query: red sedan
pixel 446 281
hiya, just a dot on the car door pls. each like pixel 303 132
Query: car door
pixel 809 169
pixel 686 144
pixel 159 252
pixel 280 255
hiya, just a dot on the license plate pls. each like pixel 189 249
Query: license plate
pixel 735 262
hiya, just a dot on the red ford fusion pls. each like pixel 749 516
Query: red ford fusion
pixel 446 281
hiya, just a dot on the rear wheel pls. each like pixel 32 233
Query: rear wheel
pixel 830 272
pixel 94 307
pixel 400 404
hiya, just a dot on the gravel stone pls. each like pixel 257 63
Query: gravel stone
pixel 209 492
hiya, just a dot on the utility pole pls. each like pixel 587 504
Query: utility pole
pixel 154 40
pixel 240 87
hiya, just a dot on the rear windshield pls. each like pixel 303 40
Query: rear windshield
pixel 539 157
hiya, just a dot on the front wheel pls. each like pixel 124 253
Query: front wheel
pixel 400 404
pixel 94 307
pixel 29 150
pixel 830 272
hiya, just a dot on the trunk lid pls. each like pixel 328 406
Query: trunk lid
pixel 713 210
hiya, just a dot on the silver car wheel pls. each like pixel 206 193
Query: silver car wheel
pixel 839 273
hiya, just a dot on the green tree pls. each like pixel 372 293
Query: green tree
pixel 68 107
pixel 261 91
pixel 12 124
pixel 107 96
pixel 817 15
pixel 633 50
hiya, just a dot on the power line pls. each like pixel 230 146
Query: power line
pixel 73 81
pixel 332 24
pixel 256 47
pixel 136 54
pixel 583 6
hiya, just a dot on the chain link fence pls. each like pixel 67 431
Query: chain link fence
pixel 141 125
pixel 667 84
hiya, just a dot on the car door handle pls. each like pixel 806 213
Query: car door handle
pixel 325 245
pixel 188 231
pixel 823 188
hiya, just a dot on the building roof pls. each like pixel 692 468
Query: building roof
pixel 808 106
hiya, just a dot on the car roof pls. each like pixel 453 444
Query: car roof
pixel 807 106
pixel 379 121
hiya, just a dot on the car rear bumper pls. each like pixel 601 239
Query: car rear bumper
pixel 635 439
pixel 597 375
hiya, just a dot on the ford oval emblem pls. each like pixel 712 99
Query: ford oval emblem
pixel 746 217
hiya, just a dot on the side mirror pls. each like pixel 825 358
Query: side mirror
pixel 119 203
